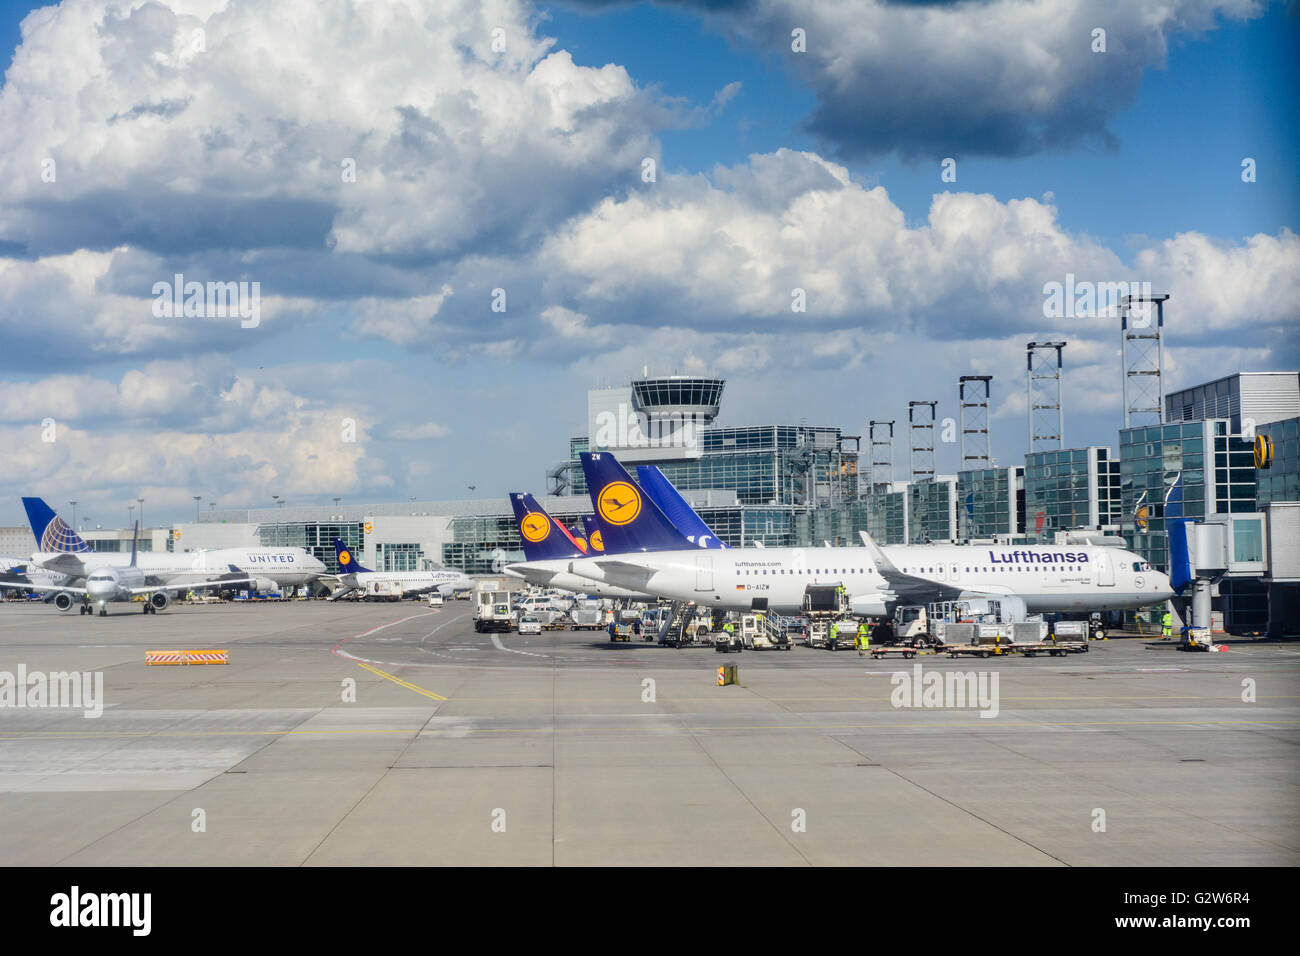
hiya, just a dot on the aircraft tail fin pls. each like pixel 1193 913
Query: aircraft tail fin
pixel 52 532
pixel 544 538
pixel 676 507
pixel 629 519
pixel 348 563
pixel 595 541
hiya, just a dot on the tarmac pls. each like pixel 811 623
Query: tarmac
pixel 392 734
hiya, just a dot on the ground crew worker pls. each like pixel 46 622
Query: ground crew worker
pixel 611 627
pixel 864 638
pixel 835 633
pixel 1166 626
pixel 730 630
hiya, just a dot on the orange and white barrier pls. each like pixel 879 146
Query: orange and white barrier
pixel 164 657
pixel 188 656
pixel 207 657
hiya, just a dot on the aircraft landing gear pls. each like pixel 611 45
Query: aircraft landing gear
pixel 103 612
pixel 85 609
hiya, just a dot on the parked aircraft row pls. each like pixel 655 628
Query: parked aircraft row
pixel 652 543
pixel 66 569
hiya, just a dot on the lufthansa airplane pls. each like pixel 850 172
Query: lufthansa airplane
pixel 548 548
pixel 353 577
pixel 644 552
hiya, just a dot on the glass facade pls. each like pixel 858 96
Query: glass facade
pixel 1281 480
pixel 988 504
pixel 316 537
pixel 887 517
pixel 763 464
pixel 398 557
pixel 677 391
pixel 1218 477
pixel 1070 488
pixel 932 511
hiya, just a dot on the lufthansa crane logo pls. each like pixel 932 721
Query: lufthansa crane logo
pixel 619 503
pixel 345 557
pixel 597 541
pixel 535 527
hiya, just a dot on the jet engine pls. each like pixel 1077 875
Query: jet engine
pixel 63 601
pixel 159 600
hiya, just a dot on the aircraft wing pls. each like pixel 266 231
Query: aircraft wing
pixel 199 585
pixel 908 588
pixel 913 590
pixel 41 588
pixel 631 575
pixel 421 589
pixel 68 564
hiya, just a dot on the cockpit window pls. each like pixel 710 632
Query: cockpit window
pixel 1141 566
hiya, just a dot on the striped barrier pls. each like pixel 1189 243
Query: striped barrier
pixel 207 657
pixel 164 657
pixel 188 656
pixel 727 674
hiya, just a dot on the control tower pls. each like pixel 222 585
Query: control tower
pixel 654 418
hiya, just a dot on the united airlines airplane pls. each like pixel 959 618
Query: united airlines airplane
pixel 61 549
pixel 106 584
pixel 644 552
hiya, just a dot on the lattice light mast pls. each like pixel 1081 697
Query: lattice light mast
pixel 1046 413
pixel 881 435
pixel 1142 352
pixel 920 431
pixel 976 446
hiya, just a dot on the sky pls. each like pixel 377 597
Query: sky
pixel 459 216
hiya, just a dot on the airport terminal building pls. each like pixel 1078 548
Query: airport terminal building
pixel 783 484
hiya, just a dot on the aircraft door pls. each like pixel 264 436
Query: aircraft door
pixel 1105 571
pixel 704 572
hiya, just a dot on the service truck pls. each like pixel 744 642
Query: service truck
pixel 493 612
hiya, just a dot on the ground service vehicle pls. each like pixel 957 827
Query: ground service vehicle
pixel 492 611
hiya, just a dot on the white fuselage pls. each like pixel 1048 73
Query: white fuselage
pixel 409 580
pixel 106 584
pixel 284 566
pixel 1047 578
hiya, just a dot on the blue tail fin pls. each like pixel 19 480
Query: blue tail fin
pixel 544 538
pixel 679 512
pixel 629 520
pixel 595 541
pixel 52 532
pixel 1180 561
pixel 348 564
